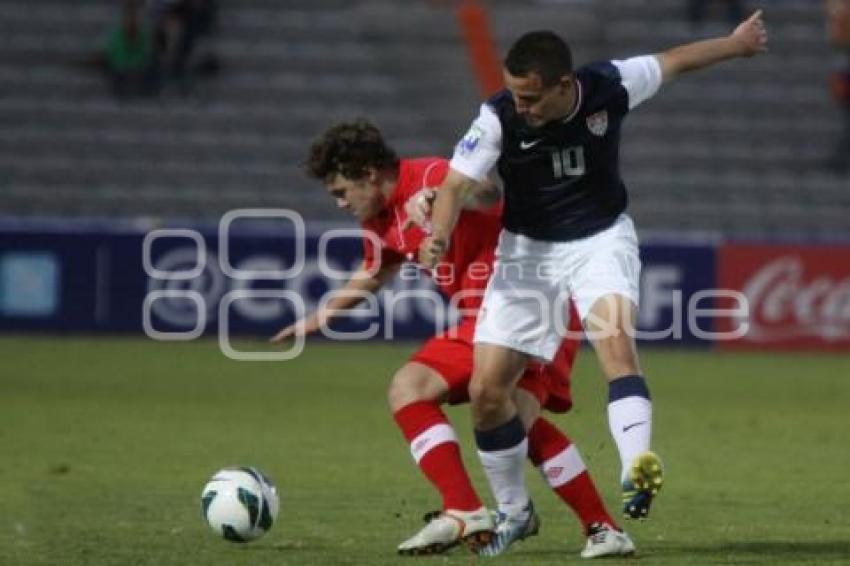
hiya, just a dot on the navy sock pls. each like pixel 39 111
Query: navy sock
pixel 502 437
pixel 627 386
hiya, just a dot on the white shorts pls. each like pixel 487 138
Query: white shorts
pixel 526 305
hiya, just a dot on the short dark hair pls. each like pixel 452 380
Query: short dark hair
pixel 542 52
pixel 348 149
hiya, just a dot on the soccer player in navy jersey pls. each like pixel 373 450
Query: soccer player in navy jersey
pixel 554 135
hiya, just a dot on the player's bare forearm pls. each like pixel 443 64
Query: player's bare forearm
pixel 697 55
pixel 748 39
pixel 451 196
pixel 361 284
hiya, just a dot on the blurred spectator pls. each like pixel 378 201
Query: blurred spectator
pixel 696 11
pixel 838 21
pixel 129 54
pixel 179 25
pixel 201 22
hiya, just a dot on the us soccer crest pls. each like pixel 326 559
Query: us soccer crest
pixel 598 123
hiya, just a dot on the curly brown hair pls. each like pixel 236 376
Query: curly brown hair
pixel 348 149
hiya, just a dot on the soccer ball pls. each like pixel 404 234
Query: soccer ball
pixel 240 504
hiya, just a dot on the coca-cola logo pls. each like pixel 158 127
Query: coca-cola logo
pixel 786 304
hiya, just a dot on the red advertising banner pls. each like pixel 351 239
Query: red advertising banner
pixel 798 296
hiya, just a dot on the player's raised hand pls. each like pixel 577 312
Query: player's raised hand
pixel 751 35
pixel 431 251
pixel 303 327
pixel 418 209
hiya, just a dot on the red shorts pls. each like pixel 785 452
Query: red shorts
pixel 450 355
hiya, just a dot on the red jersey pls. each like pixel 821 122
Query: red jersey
pixel 468 262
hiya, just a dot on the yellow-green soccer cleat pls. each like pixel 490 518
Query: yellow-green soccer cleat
pixel 645 477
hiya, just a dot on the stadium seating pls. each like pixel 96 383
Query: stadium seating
pixel 739 150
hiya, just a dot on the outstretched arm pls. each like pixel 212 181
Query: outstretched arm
pixel 349 296
pixel 748 39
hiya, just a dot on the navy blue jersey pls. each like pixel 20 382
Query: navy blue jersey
pixel 562 180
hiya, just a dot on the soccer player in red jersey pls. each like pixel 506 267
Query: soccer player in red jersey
pixel 366 178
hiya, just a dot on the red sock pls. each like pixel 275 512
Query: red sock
pixel 561 464
pixel 434 447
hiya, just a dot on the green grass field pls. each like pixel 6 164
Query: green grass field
pixel 106 444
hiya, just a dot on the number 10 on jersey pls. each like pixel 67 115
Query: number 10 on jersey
pixel 568 162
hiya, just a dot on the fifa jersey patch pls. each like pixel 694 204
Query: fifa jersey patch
pixel 470 141
pixel 598 123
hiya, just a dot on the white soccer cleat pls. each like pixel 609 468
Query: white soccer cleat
pixel 605 540
pixel 449 528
